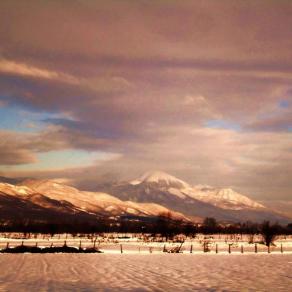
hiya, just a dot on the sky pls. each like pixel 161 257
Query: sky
pixel 96 91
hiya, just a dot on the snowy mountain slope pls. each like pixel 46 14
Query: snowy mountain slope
pixel 225 198
pixel 161 179
pixel 94 201
pixel 201 201
pixel 15 190
pixel 38 208
pixel 148 196
pixel 52 195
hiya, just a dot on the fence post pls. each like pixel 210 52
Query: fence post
pixel 121 248
pixel 150 249
pixel 191 250
pixel 241 248
pixel 216 248
pixel 269 249
pixel 255 248
pixel 7 244
pixel 80 244
pixel 229 248
pixel 282 248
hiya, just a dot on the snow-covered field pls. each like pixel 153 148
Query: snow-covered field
pixel 143 266
pixel 143 244
pixel 141 272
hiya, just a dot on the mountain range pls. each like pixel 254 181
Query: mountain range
pixel 146 197
pixel 200 201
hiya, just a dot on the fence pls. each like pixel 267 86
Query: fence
pixel 192 247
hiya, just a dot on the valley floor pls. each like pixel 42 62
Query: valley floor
pixel 141 272
pixel 116 243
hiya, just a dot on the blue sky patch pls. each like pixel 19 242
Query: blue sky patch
pixel 283 103
pixel 222 124
pixel 14 118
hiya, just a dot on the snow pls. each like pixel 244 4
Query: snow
pixel 96 202
pixel 136 243
pixel 225 198
pixel 131 211
pixel 159 177
pixel 91 202
pixel 177 193
pixel 139 272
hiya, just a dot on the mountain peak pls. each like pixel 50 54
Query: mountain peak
pixel 161 178
pixel 231 196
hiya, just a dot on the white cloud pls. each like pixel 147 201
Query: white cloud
pixel 12 67
pixel 96 83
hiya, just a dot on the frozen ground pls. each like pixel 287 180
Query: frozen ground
pixel 111 243
pixel 145 272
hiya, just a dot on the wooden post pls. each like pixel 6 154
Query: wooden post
pixel 80 244
pixel 65 243
pixel 241 248
pixel 229 248
pixel 216 248
pixel 191 250
pixel 36 244
pixel 52 244
pixel 282 248
pixel 121 248
pixel 269 249
pixel 7 244
pixel 164 248
pixel 150 249
pixel 255 248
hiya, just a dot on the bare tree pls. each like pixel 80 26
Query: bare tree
pixel 269 232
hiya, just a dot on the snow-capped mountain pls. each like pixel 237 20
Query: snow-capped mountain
pixel 162 179
pixel 225 198
pixel 201 201
pixel 54 196
pixel 147 196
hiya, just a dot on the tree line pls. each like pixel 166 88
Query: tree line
pixel 165 225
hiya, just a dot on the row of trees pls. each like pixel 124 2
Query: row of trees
pixel 169 228
pixel 166 226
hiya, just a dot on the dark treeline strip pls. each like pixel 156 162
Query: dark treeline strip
pixel 165 225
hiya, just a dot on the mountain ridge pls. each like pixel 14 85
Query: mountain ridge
pixel 203 201
pixel 151 194
pixel 53 196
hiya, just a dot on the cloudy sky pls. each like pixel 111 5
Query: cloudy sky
pixel 98 90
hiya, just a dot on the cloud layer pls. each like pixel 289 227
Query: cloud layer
pixel 198 88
